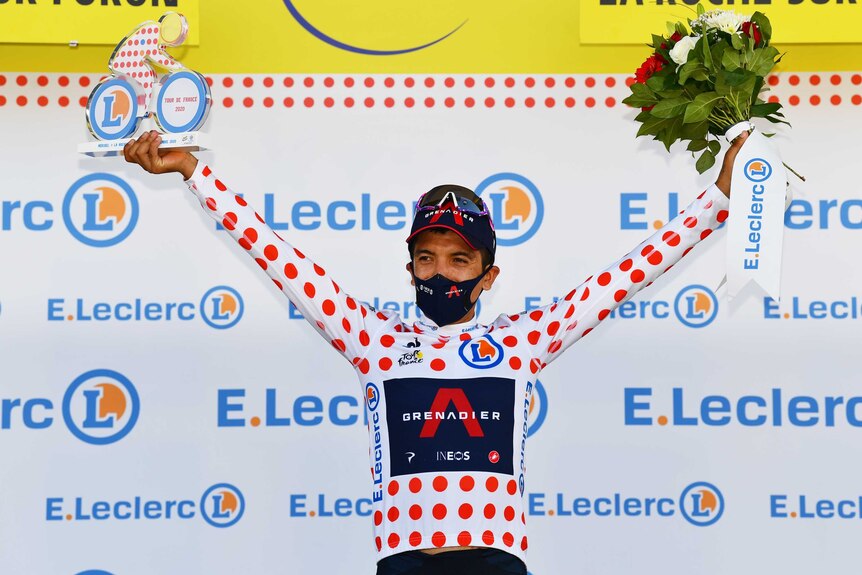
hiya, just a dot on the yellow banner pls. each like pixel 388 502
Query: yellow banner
pixel 80 22
pixel 396 37
pixel 793 21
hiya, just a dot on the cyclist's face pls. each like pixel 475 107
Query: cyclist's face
pixel 444 252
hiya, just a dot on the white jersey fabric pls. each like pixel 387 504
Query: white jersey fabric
pixel 447 406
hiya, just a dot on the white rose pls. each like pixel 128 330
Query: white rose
pixel 679 53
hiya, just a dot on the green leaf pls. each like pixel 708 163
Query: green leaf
pixel 763 60
pixel 701 75
pixel 730 60
pixel 736 42
pixel 637 102
pixel 660 82
pixel 670 133
pixel 705 161
pixel 707 53
pixel 763 110
pixel 762 22
pixel 696 131
pixel 696 145
pixel 700 9
pixel 689 68
pixel 642 90
pixel 670 108
pixel 652 126
pixel 726 81
pixel 718 51
pixel 657 41
pixel 672 93
pixel 699 109
pixel 714 147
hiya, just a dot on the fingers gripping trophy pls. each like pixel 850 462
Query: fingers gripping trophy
pixel 147 82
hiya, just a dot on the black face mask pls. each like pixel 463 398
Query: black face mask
pixel 445 301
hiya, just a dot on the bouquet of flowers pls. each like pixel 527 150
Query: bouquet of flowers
pixel 700 82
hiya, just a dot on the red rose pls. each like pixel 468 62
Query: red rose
pixel 751 30
pixel 652 65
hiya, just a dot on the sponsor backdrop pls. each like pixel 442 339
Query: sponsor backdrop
pixel 164 409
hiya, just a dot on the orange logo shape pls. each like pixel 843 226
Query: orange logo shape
pixel 517 204
pixel 112 402
pixel 229 502
pixel 112 205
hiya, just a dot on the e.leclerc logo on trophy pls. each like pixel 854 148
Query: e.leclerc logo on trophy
pixel 146 82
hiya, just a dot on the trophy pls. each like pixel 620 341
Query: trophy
pixel 146 82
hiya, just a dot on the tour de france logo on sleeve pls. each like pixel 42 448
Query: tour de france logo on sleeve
pixel 450 425
pixel 481 353
pixel 758 170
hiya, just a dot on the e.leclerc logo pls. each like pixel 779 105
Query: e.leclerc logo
pixel 758 170
pixel 99 407
pixel 100 210
pixel 514 202
pixel 481 353
pixel 701 504
pixel 220 307
pixel 694 306
pixel 221 505
pixel 516 206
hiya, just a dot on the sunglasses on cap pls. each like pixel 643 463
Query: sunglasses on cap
pixel 460 197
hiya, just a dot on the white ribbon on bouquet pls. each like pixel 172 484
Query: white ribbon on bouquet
pixel 755 229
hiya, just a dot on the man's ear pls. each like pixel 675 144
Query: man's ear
pixel 409 268
pixel 490 277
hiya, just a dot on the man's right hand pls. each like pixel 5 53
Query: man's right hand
pixel 146 153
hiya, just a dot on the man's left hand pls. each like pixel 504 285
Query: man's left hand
pixel 723 181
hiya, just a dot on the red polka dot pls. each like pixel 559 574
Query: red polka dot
pixel 856 79
pixel 261 262
pixel 288 102
pixel 429 82
pixel 815 100
pixel 364 338
pixel 415 539
pixel 793 100
pixel 267 82
pixel 550 102
pixel 491 484
pixel 690 222
pixel 270 252
pixel 772 80
pixel 364 366
pixel 722 215
pixel 22 80
pixel 268 102
pixel 773 99
pixel 464 538
pixel 378 517
pixel 586 294
pixel 489 102
pixel 488 538
pixel 409 102
pixel 508 539
pixel 555 346
pixel 794 80
pixel 510 341
pixel 467 483
pixel 533 337
pixel 62 80
pixel 449 102
pixel 227 82
pixel 348 82
pixel 438 539
pixel 309 289
pixel 389 102
pixel 438 364
pixel 529 82
pixel 610 102
pixel 247 82
pixel 328 102
pixel 389 82
pixel 385 363
pixel 509 513
pixel 535 365
pixel 227 102
pixel 415 485
pixel 814 79
pixel 328 307
pixel 290 271
pixel 511 487
pixel 394 540
pixel 637 276
pixel 856 99
pixel 530 102
pixel 604 279
pixel 835 79
pixel 415 512
pixel 429 102
pixel 626 265
pixel 393 514
pixel 369 102
pixel 379 543
pixel 22 101
pixel 489 82
pixel 524 543
pixel 439 511
pixel 655 258
pixel 409 82
pixel 308 102
pixel 440 483
pixel 308 82
pixel 590 82
pixel 346 325
pixel 387 340
pixel 835 99
pixel 590 102
pixel 63 101
pixel 671 238
pixel 515 363
pixel 509 82
pixel 553 327
pixel 490 511
pixel 510 102
pixel 469 82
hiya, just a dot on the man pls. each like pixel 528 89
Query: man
pixel 447 398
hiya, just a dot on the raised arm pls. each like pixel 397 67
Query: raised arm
pixel 553 328
pixel 346 323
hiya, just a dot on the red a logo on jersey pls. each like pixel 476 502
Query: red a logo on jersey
pixel 453 292
pixel 444 397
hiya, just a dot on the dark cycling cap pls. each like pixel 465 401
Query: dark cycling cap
pixel 458 209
